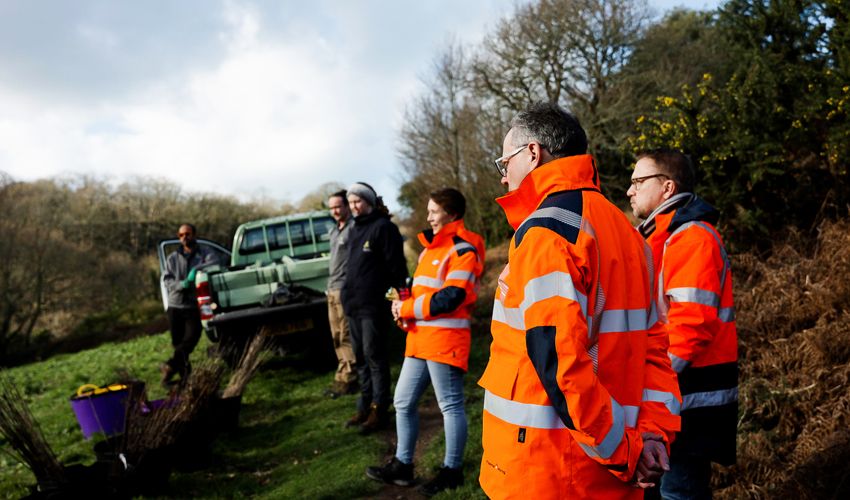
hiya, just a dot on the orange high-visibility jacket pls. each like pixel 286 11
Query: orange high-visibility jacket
pixel 445 287
pixel 578 368
pixel 695 304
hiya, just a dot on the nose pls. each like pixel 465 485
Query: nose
pixel 631 191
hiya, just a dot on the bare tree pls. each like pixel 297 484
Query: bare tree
pixel 563 51
pixel 447 141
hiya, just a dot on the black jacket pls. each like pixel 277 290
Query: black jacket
pixel 375 263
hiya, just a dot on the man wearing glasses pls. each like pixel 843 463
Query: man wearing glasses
pixel 695 305
pixel 580 399
pixel 183 315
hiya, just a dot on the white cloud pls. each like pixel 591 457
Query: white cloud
pixel 251 99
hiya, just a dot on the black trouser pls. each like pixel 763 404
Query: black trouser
pixel 185 327
pixel 369 339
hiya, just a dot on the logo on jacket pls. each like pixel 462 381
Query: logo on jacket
pixel 366 247
pixel 435 262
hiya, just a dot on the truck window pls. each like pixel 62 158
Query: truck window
pixel 252 241
pixel 299 232
pixel 277 236
pixel 323 228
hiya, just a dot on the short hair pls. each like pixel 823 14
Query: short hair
pixel 451 200
pixel 190 226
pixel 342 193
pixel 557 131
pixel 674 164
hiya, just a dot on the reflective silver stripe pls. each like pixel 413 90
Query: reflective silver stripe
pixel 723 254
pixel 460 246
pixel 623 320
pixel 429 282
pixel 593 352
pixel 679 364
pixel 695 295
pixel 554 284
pixel 522 414
pixel 631 413
pixel 726 314
pixel 710 398
pixel 566 216
pixel 510 316
pixel 461 275
pixel 418 306
pixel 611 440
pixel 667 398
pixel 444 323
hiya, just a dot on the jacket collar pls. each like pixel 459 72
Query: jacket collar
pixel 683 208
pixel 364 219
pixel 563 174
pixel 429 239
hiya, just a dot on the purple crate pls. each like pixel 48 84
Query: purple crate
pixel 101 413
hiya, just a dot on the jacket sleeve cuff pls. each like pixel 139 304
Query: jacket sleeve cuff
pixel 407 308
pixel 634 446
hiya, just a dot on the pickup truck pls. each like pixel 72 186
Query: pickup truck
pixel 274 278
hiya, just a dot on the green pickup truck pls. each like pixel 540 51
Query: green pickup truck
pixel 276 280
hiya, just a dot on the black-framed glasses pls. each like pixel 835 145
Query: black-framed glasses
pixel 637 181
pixel 502 161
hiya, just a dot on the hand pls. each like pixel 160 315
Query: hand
pixel 396 309
pixel 191 276
pixel 653 461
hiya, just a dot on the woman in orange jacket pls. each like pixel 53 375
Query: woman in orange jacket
pixel 436 318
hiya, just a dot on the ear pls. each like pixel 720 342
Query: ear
pixel 670 189
pixel 536 152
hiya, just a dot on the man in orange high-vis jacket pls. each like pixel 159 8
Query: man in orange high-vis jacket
pixel 580 399
pixel 695 305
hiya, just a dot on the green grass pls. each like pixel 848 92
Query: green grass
pixel 290 442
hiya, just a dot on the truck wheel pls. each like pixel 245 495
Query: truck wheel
pixel 232 343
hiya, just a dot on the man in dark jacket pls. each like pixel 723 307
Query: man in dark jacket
pixel 183 315
pixel 375 263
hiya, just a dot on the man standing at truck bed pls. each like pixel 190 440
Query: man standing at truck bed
pixel 345 380
pixel 183 315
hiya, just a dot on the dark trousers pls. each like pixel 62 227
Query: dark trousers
pixel 185 327
pixel 689 478
pixel 369 340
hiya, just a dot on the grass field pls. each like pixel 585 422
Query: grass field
pixel 290 443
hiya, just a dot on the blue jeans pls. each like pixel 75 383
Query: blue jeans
pixel 689 478
pixel 448 386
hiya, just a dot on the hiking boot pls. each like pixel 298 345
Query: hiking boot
pixel 167 373
pixel 395 472
pixel 338 389
pixel 357 419
pixel 378 419
pixel 446 479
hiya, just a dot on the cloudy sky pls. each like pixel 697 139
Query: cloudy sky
pixel 246 98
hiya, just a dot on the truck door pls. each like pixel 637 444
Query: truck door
pixel 165 248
